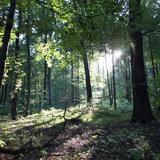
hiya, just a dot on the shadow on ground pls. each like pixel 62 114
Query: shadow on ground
pixel 98 140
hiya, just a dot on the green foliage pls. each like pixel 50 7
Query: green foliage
pixel 136 153
pixel 2 143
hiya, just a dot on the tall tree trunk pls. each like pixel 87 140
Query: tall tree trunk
pixel 108 81
pixel 15 92
pixel 133 83
pixel 65 83
pixel 45 83
pixel 114 84
pixel 127 87
pixel 77 94
pixel 87 74
pixel 49 87
pixel 6 37
pixel 5 94
pixel 142 109
pixel 28 76
pixel 2 94
pixel 129 75
pixel 23 93
pixel 78 83
pixel 72 82
pixel 45 76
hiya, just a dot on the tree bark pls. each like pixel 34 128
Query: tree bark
pixel 28 76
pixel 108 81
pixel 45 83
pixel 49 87
pixel 5 94
pixel 72 81
pixel 142 109
pixel 114 84
pixel 15 92
pixel 127 76
pixel 87 74
pixel 6 37
pixel 2 94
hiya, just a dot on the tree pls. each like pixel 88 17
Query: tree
pixel 6 37
pixel 114 83
pixel 87 73
pixel 28 43
pixel 14 98
pixel 141 109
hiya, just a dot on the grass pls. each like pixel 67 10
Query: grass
pixel 103 134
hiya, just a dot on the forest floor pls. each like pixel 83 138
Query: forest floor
pixel 101 135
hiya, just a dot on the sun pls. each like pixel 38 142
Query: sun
pixel 104 63
pixel 117 54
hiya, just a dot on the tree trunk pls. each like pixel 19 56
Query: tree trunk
pixel 127 76
pixel 15 92
pixel 87 74
pixel 45 83
pixel 5 94
pixel 77 91
pixel 65 83
pixel 6 37
pixel 49 87
pixel 2 94
pixel 108 82
pixel 23 93
pixel 28 76
pixel 72 82
pixel 114 84
pixel 45 76
pixel 142 109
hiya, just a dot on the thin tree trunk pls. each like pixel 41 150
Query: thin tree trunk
pixel 45 76
pixel 2 94
pixel 87 74
pixel 49 87
pixel 108 81
pixel 65 83
pixel 77 95
pixel 28 78
pixel 23 93
pixel 6 37
pixel 114 84
pixel 5 94
pixel 78 83
pixel 142 109
pixel 45 83
pixel 129 75
pixel 15 92
pixel 72 81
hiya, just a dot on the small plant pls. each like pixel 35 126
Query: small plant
pixel 136 153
